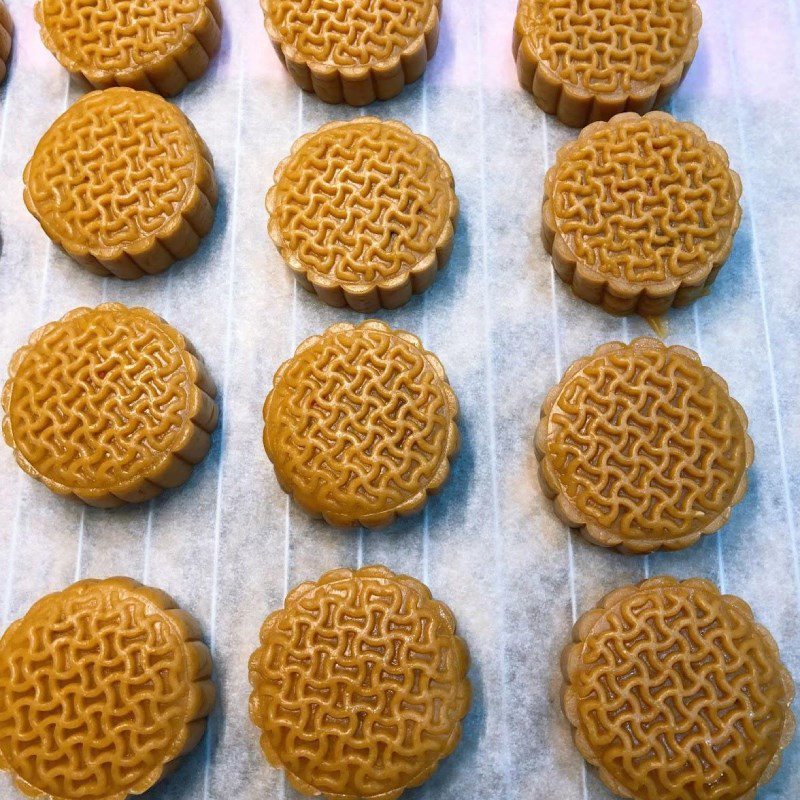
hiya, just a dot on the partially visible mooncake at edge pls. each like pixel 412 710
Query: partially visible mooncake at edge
pixel 123 183
pixel 353 51
pixel 109 405
pixel 642 447
pixel 363 213
pixel 640 213
pixel 6 36
pixel 675 692
pixel 159 45
pixel 359 685
pixel 360 424
pixel 586 60
pixel 104 687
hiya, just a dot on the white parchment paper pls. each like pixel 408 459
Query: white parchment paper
pixel 228 544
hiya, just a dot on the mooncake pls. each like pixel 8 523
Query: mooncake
pixel 640 213
pixel 353 51
pixel 110 405
pixel 158 45
pixel 123 183
pixel 586 60
pixel 6 35
pixel 641 447
pixel 102 687
pixel 360 424
pixel 363 213
pixel 359 685
pixel 674 692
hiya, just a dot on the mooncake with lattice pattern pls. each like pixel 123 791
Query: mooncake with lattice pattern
pixel 6 36
pixel 360 424
pixel 123 183
pixel 586 60
pixel 641 447
pixel 155 45
pixel 353 51
pixel 640 213
pixel 363 213
pixel 675 693
pixel 102 687
pixel 359 685
pixel 110 405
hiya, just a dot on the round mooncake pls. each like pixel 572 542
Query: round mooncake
pixel 586 60
pixel 359 685
pixel 675 693
pixel 640 213
pixel 363 213
pixel 123 183
pixel 360 424
pixel 641 447
pixel 158 45
pixel 353 51
pixel 110 405
pixel 102 687
pixel 6 35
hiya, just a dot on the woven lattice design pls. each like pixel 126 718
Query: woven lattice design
pixel 99 398
pixel 359 684
pixel 646 442
pixel 645 199
pixel 677 694
pixel 607 46
pixel 93 692
pixel 350 32
pixel 117 35
pixel 361 422
pixel 118 167
pixel 361 202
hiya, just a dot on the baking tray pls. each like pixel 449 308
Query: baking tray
pixel 228 544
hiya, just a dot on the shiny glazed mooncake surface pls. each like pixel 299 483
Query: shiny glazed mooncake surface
pixel 642 447
pixel 640 213
pixel 353 51
pixel 123 183
pixel 359 685
pixel 108 404
pixel 675 693
pixel 102 686
pixel 157 45
pixel 6 37
pixel 363 212
pixel 586 60
pixel 361 424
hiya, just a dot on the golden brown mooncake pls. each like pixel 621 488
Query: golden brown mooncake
pixel 586 60
pixel 123 183
pixel 102 687
pixel 6 36
pixel 360 424
pixel 359 685
pixel 158 45
pixel 675 693
pixel 353 51
pixel 363 213
pixel 110 405
pixel 640 213
pixel 641 447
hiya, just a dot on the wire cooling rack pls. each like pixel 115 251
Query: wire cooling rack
pixel 229 544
